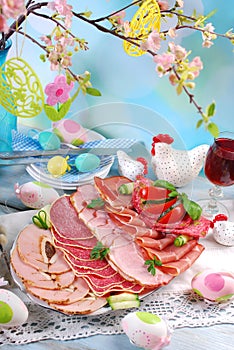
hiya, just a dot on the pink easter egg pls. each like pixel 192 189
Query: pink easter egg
pixel 70 131
pixel 213 285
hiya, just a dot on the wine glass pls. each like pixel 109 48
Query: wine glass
pixel 219 169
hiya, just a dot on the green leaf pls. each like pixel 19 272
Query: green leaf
pixel 96 203
pixel 199 123
pixel 211 109
pixel 164 184
pixel 192 208
pixel 99 252
pixel 51 112
pixel 213 129
pixel 63 109
pixel 152 264
pixel 93 91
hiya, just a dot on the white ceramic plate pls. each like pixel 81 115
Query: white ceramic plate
pixel 70 180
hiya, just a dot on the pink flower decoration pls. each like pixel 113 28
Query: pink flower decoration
pixel 58 91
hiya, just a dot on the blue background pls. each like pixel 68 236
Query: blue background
pixel 135 101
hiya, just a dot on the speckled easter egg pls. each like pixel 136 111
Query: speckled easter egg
pixel 223 232
pixel 87 162
pixel 213 285
pixel 49 141
pixel 13 311
pixel 70 131
pixel 146 330
pixel 35 194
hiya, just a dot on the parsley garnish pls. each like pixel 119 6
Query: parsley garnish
pixel 152 263
pixel 99 252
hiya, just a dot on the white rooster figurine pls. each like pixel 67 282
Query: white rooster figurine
pixel 176 166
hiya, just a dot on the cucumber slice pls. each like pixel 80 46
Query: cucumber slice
pixel 123 301
pixel 125 304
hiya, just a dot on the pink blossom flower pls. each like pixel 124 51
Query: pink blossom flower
pixel 164 62
pixel 196 63
pixel 63 9
pixel 3 24
pixel 46 39
pixel 173 79
pixel 180 3
pixel 58 91
pixel 119 16
pixel 153 42
pixel 12 8
pixel 179 51
pixel 207 43
pixel 163 5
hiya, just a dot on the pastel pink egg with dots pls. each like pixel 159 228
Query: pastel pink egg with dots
pixel 214 285
pixel 70 132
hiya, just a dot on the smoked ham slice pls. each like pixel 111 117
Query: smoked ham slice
pixel 37 278
pixel 84 306
pixel 108 189
pixel 36 248
pixel 74 292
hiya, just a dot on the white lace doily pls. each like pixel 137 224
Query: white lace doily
pixel 179 309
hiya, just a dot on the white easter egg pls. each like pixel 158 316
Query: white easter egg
pixel 70 131
pixel 213 285
pixel 223 232
pixel 13 311
pixel 146 330
pixel 36 194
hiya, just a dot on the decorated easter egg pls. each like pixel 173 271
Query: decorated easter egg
pixel 146 330
pixel 223 232
pixel 35 194
pixel 13 312
pixel 213 285
pixel 57 166
pixel 70 131
pixel 49 141
pixel 87 162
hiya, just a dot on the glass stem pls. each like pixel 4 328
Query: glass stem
pixel 214 193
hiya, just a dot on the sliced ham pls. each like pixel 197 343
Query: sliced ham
pixel 84 306
pixel 171 252
pixel 175 268
pixel 76 291
pixel 34 277
pixel 36 248
pixel 108 189
pixel 129 260
pixel 158 244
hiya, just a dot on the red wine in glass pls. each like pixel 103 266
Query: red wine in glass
pixel 219 169
pixel 219 165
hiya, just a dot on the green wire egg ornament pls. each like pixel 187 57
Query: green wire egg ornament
pixel 21 92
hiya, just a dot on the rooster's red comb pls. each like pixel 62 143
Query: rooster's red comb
pixel 163 138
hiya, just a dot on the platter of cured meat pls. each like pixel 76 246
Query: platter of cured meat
pixel 107 245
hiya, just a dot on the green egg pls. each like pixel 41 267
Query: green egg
pixel 147 317
pixel 87 162
pixel 6 312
